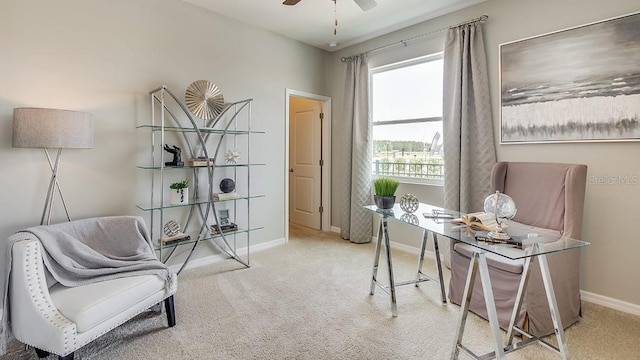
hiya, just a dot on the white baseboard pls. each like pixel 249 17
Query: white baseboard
pixel 212 259
pixel 336 229
pixel 612 303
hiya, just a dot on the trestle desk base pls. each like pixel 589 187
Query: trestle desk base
pixel 383 234
pixel 479 263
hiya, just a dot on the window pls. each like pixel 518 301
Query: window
pixel 406 104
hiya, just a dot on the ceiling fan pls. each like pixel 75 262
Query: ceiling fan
pixel 365 5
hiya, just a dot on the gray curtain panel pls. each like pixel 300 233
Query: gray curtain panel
pixel 358 138
pixel 469 147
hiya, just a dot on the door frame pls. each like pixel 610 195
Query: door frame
pixel 326 157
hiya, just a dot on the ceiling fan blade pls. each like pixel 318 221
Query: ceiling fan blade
pixel 366 5
pixel 290 2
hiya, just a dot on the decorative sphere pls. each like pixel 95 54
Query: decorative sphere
pixel 410 218
pixel 227 185
pixel 409 203
pixel 500 204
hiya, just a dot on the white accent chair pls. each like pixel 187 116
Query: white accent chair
pixel 56 319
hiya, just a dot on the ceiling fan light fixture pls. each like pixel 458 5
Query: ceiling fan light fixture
pixel 366 5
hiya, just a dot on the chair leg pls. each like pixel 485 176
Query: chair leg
pixel 41 353
pixel 68 357
pixel 171 311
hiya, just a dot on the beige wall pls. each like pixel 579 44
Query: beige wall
pixel 609 266
pixel 104 57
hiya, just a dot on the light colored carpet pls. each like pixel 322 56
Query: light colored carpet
pixel 309 299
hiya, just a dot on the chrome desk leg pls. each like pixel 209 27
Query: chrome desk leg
pixel 392 282
pixel 553 304
pixel 376 259
pixel 423 246
pixel 436 250
pixel 479 262
pixel 464 311
pixel 491 304
pixel 517 306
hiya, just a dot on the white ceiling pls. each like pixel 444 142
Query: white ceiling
pixel 312 21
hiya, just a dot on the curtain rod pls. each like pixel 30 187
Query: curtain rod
pixel 404 42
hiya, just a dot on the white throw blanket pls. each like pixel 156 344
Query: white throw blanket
pixel 86 251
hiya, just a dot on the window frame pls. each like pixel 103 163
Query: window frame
pixel 394 66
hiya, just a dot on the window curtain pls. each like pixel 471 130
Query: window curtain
pixel 358 134
pixel 469 147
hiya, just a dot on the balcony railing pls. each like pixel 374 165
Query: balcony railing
pixel 422 171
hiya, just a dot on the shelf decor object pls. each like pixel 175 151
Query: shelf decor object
pixel 52 129
pixel 204 99
pixel 204 146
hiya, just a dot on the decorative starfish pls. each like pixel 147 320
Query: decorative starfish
pixel 232 156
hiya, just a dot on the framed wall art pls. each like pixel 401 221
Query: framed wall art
pixel 578 84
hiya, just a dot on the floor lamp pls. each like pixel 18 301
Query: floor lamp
pixel 52 129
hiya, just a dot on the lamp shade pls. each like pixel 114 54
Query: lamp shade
pixel 52 128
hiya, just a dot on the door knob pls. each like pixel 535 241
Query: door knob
pixel 291 170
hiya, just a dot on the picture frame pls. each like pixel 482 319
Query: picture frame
pixel 580 84
pixel 223 217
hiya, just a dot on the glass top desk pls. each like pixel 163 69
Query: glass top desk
pixel 534 246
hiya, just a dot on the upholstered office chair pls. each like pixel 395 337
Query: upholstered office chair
pixel 550 200
pixel 59 319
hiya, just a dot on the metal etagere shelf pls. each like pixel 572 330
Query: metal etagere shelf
pixel 200 139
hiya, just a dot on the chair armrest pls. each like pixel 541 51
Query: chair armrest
pixel 34 318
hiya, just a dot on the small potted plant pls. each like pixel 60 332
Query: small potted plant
pixel 385 189
pixel 181 193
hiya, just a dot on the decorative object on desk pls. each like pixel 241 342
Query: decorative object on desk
pixel 410 218
pixel 409 203
pixel 503 208
pixel 477 221
pixel 52 129
pixel 232 156
pixel 174 233
pixel 385 189
pixel 227 185
pixel 204 99
pixel 181 194
pixel 177 156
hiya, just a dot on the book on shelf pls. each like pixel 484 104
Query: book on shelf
pixel 215 229
pixel 477 221
pixel 200 161
pixel 225 196
pixel 173 239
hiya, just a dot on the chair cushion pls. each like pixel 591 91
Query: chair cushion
pixel 90 305
pixel 493 260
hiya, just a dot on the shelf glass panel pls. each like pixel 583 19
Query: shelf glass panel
pixel 148 207
pixel 202 130
pixel 204 237
pixel 158 167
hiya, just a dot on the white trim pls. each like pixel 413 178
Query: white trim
pixel 611 303
pixel 336 229
pixel 212 259
pixel 326 157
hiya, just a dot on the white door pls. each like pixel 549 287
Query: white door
pixel 305 162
